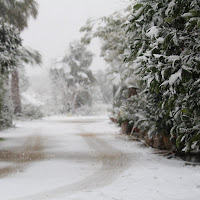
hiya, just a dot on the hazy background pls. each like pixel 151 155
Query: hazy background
pixel 58 23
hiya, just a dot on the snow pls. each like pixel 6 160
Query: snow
pixel 5 164
pixel 186 68
pixel 170 6
pixel 173 58
pixel 187 15
pixel 138 12
pixel 173 78
pixel 160 40
pixel 153 32
pixel 31 98
pixel 86 158
pixel 83 74
pixel 157 55
pixel 20 1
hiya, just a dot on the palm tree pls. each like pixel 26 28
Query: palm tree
pixel 10 48
pixel 17 13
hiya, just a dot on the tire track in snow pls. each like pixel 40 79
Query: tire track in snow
pixel 22 156
pixel 114 162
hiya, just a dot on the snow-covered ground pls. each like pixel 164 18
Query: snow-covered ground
pixel 84 158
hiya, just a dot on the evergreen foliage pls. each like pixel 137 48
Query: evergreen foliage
pixel 164 41
pixel 114 50
pixel 158 43
pixel 10 43
pixel 14 16
pixel 72 79
pixel 113 40
pixel 18 12
pixel 79 60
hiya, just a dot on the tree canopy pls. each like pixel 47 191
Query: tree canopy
pixel 72 79
pixel 18 12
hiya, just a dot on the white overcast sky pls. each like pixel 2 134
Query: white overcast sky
pixel 59 21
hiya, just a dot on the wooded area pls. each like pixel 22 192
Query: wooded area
pixel 152 46
pixel 79 115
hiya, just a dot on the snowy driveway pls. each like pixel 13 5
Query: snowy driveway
pixel 85 158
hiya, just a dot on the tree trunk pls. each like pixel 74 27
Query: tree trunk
pixel 15 92
pixel 5 100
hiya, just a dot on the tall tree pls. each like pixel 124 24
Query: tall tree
pixel 79 60
pixel 10 43
pixel 73 78
pixel 17 13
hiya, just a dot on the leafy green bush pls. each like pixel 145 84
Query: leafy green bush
pixel 164 38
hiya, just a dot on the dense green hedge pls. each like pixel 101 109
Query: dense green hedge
pixel 164 38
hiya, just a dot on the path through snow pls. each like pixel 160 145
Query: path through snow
pixel 83 158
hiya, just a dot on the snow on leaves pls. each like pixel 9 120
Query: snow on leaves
pixel 164 38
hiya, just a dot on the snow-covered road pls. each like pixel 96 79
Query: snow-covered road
pixel 83 158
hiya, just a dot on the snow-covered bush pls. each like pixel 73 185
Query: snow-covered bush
pixel 164 38
pixel 30 111
pixel 33 106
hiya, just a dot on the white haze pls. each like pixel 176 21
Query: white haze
pixel 58 24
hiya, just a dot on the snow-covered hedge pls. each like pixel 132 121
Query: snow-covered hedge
pixel 159 40
pixel 164 38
